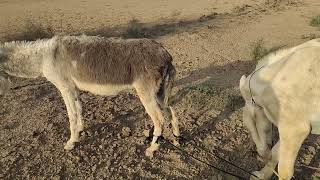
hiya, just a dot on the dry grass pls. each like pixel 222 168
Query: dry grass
pixel 135 29
pixel 315 21
pixel 310 36
pixel 259 49
pixel 31 31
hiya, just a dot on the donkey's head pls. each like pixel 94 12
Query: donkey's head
pixel 255 121
pixel 4 78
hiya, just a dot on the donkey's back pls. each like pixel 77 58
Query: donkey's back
pixel 108 61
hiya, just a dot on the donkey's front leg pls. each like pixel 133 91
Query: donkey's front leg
pixel 70 97
pixel 292 136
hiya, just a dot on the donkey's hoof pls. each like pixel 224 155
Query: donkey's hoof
pixel 149 153
pixel 178 140
pixel 69 146
pixel 258 175
pixel 150 150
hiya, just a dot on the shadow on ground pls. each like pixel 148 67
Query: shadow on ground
pixel 134 29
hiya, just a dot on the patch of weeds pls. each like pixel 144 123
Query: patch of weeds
pixel 31 31
pixel 315 21
pixel 259 50
pixel 241 9
pixel 310 36
pixel 135 29
pixel 208 17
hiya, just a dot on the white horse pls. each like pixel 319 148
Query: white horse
pixel 283 90
pixel 103 66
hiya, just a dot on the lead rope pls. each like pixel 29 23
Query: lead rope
pixel 252 100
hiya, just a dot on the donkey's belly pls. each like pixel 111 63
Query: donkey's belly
pixel 102 89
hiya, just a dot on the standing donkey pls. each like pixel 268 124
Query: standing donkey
pixel 284 90
pixel 103 66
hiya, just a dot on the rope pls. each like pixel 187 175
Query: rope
pixel 212 166
pixel 310 167
pixel 228 162
pixel 253 102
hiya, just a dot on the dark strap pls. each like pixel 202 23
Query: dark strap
pixel 252 99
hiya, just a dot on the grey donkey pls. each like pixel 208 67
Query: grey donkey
pixel 102 66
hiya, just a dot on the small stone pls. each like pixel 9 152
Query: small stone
pixel 56 177
pixel 146 133
pixel 126 132
pixel 94 168
pixel 312 150
pixel 50 126
pixel 77 158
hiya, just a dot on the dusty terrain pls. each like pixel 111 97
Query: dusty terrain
pixel 210 42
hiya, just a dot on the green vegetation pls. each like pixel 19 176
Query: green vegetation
pixel 315 21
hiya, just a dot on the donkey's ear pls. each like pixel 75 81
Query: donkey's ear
pixel 244 88
pixel 242 82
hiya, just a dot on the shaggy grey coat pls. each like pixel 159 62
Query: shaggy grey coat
pixel 103 66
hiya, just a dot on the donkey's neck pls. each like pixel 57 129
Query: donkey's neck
pixel 25 59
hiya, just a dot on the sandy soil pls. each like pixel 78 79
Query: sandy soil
pixel 210 42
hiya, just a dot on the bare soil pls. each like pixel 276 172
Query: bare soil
pixel 210 42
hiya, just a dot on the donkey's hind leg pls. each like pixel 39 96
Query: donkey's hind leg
pixel 171 113
pixel 174 122
pixel 149 101
pixel 163 95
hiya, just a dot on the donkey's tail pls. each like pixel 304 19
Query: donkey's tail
pixel 164 94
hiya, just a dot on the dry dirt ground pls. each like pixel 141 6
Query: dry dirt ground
pixel 210 42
